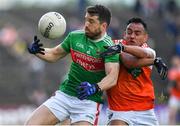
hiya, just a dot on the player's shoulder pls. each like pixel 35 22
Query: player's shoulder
pixel 146 46
pixel 108 40
pixel 149 49
pixel 77 34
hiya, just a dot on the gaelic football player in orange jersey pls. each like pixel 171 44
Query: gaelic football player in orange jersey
pixel 131 101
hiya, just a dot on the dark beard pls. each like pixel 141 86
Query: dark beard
pixel 94 36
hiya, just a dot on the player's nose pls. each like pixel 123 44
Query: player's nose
pixel 133 35
pixel 86 24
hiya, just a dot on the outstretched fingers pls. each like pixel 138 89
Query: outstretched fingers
pixel 164 72
pixel 36 40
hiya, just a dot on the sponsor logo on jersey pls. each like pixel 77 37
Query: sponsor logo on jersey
pixel 87 62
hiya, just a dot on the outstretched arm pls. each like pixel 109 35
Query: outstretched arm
pixel 139 52
pixel 47 54
pixel 134 56
pixel 137 58
pixel 136 51
pixel 52 54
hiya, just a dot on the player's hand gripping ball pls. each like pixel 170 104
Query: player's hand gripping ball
pixel 52 25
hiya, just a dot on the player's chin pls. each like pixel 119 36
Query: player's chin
pixel 88 34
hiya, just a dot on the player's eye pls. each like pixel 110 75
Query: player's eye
pixel 91 21
pixel 129 32
pixel 138 33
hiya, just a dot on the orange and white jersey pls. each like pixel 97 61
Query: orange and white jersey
pixel 134 89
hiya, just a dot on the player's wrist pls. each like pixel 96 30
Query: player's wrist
pixel 156 61
pixel 122 48
pixel 98 89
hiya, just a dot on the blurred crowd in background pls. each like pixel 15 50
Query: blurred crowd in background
pixel 26 81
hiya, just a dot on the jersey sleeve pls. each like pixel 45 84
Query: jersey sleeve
pixel 112 58
pixel 151 52
pixel 66 43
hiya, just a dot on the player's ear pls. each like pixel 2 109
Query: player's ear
pixel 146 37
pixel 104 25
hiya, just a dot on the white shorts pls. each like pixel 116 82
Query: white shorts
pixel 64 106
pixel 174 102
pixel 134 117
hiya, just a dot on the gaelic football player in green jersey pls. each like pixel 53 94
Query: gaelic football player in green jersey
pixel 88 76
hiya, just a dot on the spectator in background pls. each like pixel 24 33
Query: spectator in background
pixel 174 89
pixel 171 25
pixel 171 20
pixel 145 8
pixel 8 35
pixel 138 7
pixel 177 46
pixel 81 7
pixel 35 91
pixel 113 30
pixel 171 6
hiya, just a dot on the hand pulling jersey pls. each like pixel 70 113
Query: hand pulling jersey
pixel 86 64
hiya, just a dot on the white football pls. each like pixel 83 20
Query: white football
pixel 52 25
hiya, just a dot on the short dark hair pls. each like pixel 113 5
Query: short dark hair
pixel 138 20
pixel 101 11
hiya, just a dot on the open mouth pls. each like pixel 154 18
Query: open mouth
pixel 132 41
